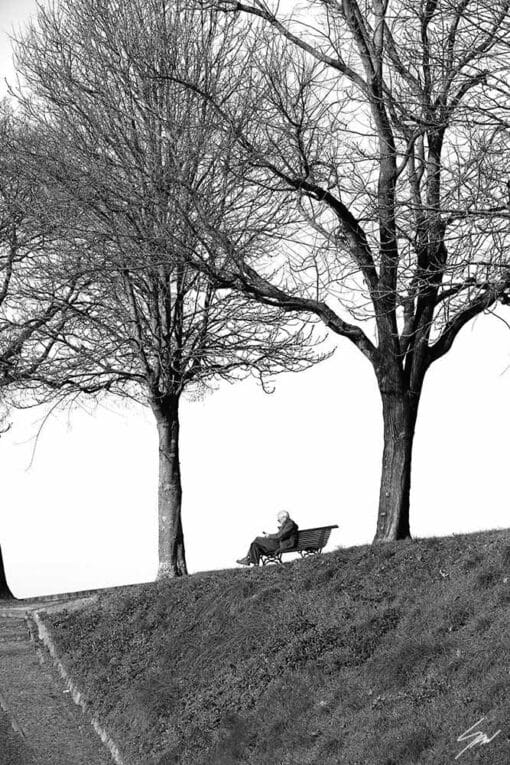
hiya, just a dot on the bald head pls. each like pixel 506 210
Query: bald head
pixel 283 516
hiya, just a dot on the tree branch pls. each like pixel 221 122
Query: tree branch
pixel 453 327
pixel 261 11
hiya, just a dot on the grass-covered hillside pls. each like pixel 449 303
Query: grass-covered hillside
pixel 13 749
pixel 368 655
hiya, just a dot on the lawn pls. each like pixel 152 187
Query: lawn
pixel 13 749
pixel 368 655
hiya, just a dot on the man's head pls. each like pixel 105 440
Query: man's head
pixel 282 516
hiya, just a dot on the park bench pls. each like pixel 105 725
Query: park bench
pixel 309 542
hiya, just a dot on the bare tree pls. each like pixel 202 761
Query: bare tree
pixel 387 123
pixel 5 592
pixel 34 298
pixel 119 150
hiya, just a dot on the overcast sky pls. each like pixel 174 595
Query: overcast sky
pixel 84 513
pixel 13 14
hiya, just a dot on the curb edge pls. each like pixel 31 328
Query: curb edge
pixel 76 694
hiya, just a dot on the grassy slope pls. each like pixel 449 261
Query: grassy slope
pixel 368 655
pixel 13 749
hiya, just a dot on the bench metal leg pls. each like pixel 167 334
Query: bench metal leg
pixel 309 553
pixel 269 559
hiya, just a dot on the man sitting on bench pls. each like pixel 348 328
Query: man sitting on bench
pixel 284 539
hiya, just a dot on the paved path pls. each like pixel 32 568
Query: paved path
pixel 49 728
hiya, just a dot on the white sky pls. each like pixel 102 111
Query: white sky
pixel 84 514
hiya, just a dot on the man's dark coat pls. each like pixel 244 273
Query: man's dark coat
pixel 286 535
pixel 284 539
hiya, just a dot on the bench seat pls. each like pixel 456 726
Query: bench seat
pixel 309 542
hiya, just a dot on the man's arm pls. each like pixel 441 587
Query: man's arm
pixel 287 530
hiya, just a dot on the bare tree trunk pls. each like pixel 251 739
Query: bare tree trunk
pixel 399 418
pixel 172 556
pixel 5 593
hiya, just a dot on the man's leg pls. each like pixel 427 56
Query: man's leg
pixel 259 546
pixel 254 552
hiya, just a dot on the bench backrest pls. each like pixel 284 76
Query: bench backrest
pixel 313 539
